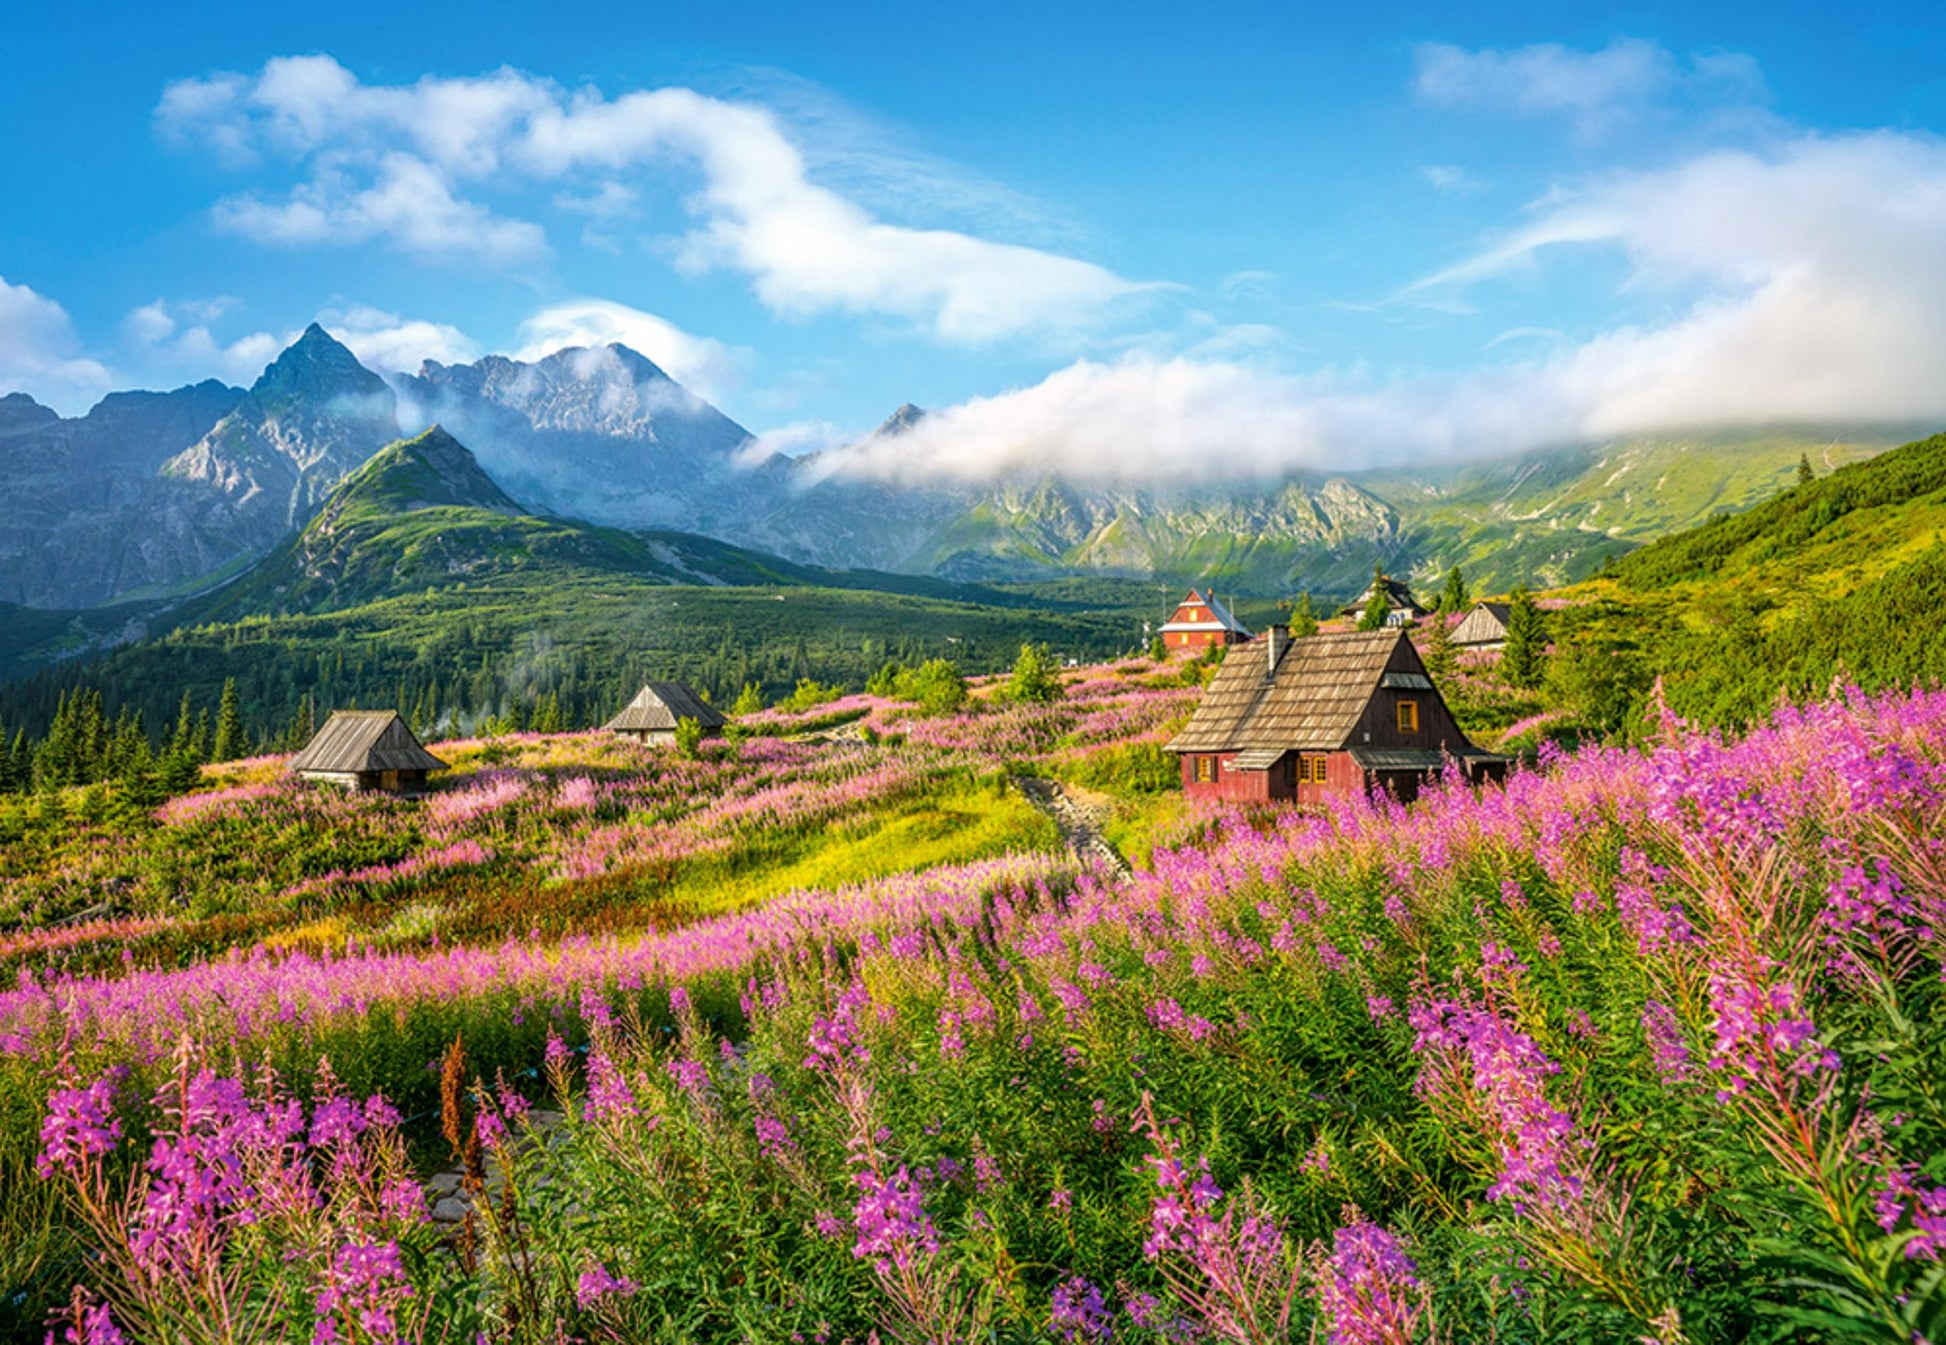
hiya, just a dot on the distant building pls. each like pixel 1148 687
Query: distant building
pixel 1485 627
pixel 1201 621
pixel 1335 713
pixel 366 749
pixel 1404 610
pixel 651 717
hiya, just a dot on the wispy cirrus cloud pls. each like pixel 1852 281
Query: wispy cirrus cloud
pixel 1594 90
pixel 416 166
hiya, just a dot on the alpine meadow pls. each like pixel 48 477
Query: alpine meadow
pixel 887 677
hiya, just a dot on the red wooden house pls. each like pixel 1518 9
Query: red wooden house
pixel 1201 621
pixel 1331 714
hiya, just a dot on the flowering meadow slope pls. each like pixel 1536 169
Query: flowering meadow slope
pixel 1642 1046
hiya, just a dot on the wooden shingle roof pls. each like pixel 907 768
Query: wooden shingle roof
pixel 357 741
pixel 1321 686
pixel 657 707
pixel 1486 623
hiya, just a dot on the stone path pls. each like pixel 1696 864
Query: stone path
pixel 1079 814
pixel 446 1194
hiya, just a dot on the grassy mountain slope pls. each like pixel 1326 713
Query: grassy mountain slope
pixel 1843 577
pixel 1556 518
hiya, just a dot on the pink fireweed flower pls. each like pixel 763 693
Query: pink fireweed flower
pixel 366 1285
pixel 834 1040
pixel 79 1125
pixel 1761 1028
pixel 1900 1196
pixel 1371 1292
pixel 774 1139
pixel 1468 1048
pixel 609 1095
pixel 894 1230
pixel 1078 1314
pixel 597 1283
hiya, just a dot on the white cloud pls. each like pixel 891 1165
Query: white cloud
pixel 1821 272
pixel 403 200
pixel 41 355
pixel 1451 179
pixel 705 366
pixel 1593 89
pixel 394 163
pixel 173 337
pixel 385 342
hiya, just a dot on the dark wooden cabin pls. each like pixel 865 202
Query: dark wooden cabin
pixel 1485 627
pixel 652 716
pixel 1200 621
pixel 366 749
pixel 1338 713
pixel 1404 609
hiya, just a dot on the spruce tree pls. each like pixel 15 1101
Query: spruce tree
pixel 1805 476
pixel 1441 657
pixel 749 701
pixel 1455 597
pixel 1523 660
pixel 229 725
pixel 1378 604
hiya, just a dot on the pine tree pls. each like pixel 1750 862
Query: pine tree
pixel 229 725
pixel 1304 618
pixel 1455 597
pixel 1805 476
pixel 749 701
pixel 183 741
pixel 1441 657
pixel 1523 660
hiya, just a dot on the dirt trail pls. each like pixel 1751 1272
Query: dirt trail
pixel 1079 814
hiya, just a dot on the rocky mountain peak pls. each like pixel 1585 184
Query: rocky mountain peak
pixel 900 421
pixel 20 413
pixel 316 370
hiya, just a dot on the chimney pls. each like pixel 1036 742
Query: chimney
pixel 1272 647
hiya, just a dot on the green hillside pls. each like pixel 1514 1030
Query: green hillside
pixel 1842 577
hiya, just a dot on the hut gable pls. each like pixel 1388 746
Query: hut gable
pixel 1484 627
pixel 366 748
pixel 1200 619
pixel 659 705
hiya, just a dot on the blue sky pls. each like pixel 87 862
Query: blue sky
pixel 1120 239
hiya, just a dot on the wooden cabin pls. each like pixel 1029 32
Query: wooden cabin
pixel 1333 714
pixel 652 716
pixel 1201 621
pixel 366 749
pixel 1405 609
pixel 1485 627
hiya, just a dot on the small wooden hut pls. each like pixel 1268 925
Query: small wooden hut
pixel 652 716
pixel 366 749
pixel 1200 621
pixel 1402 608
pixel 1485 627
pixel 1335 713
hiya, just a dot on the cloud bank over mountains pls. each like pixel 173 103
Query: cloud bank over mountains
pixel 1802 283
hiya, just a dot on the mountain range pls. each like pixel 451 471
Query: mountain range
pixel 155 496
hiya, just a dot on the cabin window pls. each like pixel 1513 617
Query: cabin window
pixel 1205 769
pixel 1408 716
pixel 1314 769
